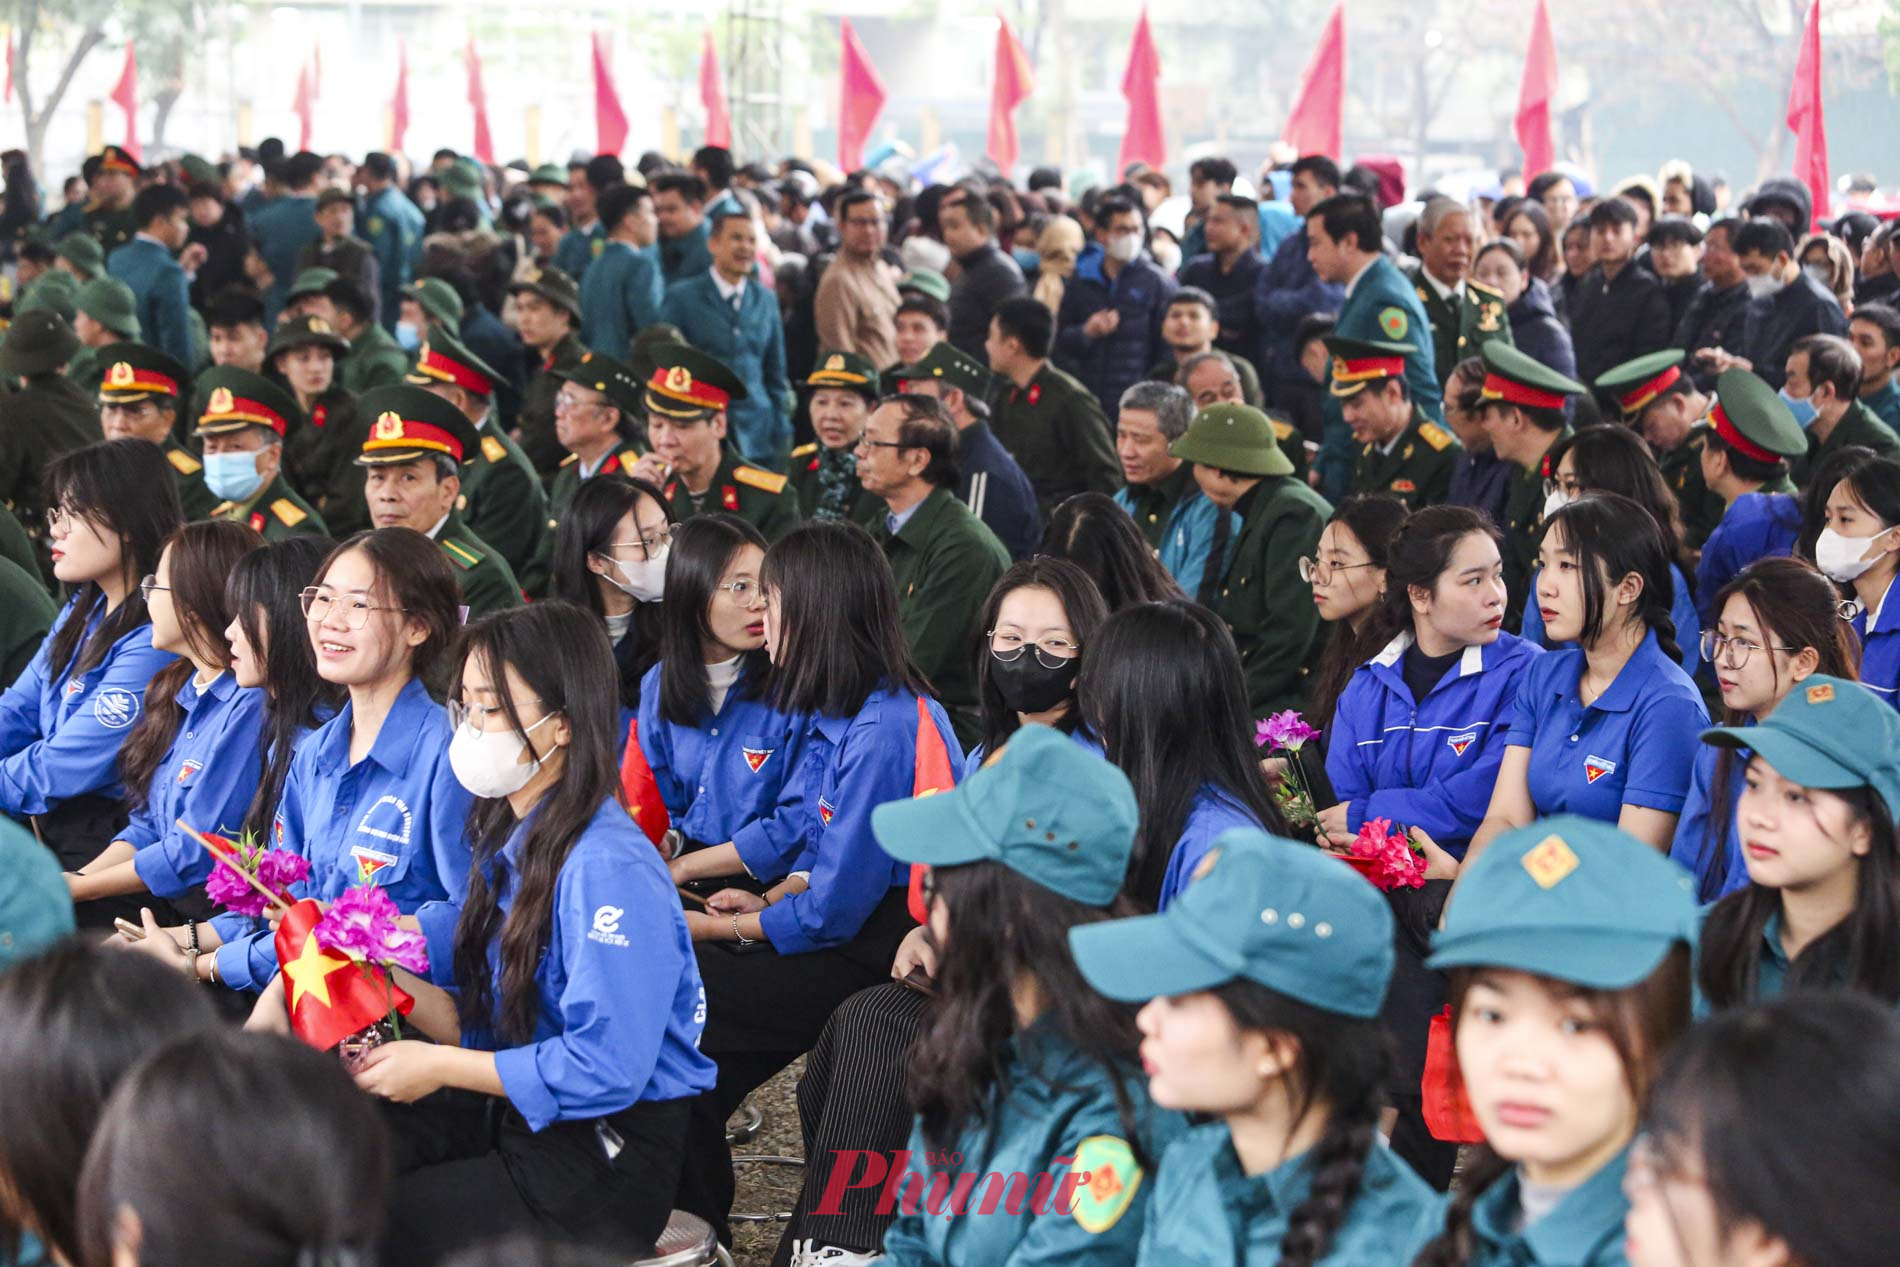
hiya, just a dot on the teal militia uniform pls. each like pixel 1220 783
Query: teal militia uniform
pixel 1513 378
pixel 534 423
pixel 392 225
pixel 1858 426
pixel 1416 467
pixel 1058 434
pixel 945 560
pixel 620 296
pixel 1381 306
pixel 1636 385
pixel 1280 521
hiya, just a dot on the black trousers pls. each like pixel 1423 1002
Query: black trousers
pixel 1416 995
pixel 469 1169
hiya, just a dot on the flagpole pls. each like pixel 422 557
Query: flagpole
pixel 218 855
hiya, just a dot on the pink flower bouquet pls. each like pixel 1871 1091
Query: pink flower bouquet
pixel 275 869
pixel 1287 733
pixel 362 924
pixel 1385 855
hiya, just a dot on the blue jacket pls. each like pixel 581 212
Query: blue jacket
pixel 1682 610
pixel 1584 1230
pixel 620 295
pixel 750 341
pixel 1187 539
pixel 1427 763
pixel 207 778
pixel 851 766
pixel 1286 292
pixel 1755 526
pixel 687 256
pixel 1537 332
pixel 392 225
pixel 396 819
pixel 1879 632
pixel 996 490
pixel 1207 1212
pixel 1381 306
pixel 1110 365
pixel 730 777
pixel 282 228
pixel 1211 813
pixel 578 249
pixel 621 1005
pixel 60 735
pixel 162 293
pixel 1692 849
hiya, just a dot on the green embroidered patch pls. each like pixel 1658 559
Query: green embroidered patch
pixel 1393 322
pixel 1112 1178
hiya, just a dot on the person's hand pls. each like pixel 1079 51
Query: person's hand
pixel 1274 768
pixel 734 902
pixel 1439 865
pixel 704 927
pixel 192 258
pixel 270 1015
pixel 652 468
pixel 78 886
pixel 403 1071
pixel 916 953
pixel 258 271
pixel 1719 359
pixel 1333 825
pixel 1102 323
pixel 274 915
pixel 1312 478
pixel 159 944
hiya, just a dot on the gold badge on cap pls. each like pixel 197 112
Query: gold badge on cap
pixel 120 375
pixel 679 379
pixel 222 401
pixel 1550 862
pixel 834 362
pixel 319 326
pixel 1339 367
pixel 1821 694
pixel 422 353
pixel 389 426
pixel 532 276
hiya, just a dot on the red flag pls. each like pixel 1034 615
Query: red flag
pixel 933 775
pixel 1142 140
pixel 329 996
pixel 861 98
pixel 316 71
pixel 712 95
pixel 125 95
pixel 9 93
pixel 478 101
pixel 1014 82
pixel 303 104
pixel 641 789
pixel 399 106
pixel 1319 109
pixel 1535 95
pixel 1805 119
pixel 609 119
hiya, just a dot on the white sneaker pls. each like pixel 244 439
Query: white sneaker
pixel 816 1255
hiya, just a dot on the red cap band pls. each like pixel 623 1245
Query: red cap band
pixel 1640 396
pixel 1497 387
pixel 393 431
pixel 432 364
pixel 1725 428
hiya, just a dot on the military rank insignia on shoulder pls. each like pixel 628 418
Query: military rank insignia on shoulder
pixel 805 450
pixel 287 512
pixel 1436 436
pixel 764 481
pixel 494 450
pixel 184 462
pixel 461 555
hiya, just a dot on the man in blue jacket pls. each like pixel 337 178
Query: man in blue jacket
pixel 1109 329
pixel 283 227
pixel 158 282
pixel 729 316
pixel 1230 272
pixel 679 203
pixel 1287 291
pixel 621 293
pixel 392 225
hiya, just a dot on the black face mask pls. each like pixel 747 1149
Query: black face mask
pixel 1029 686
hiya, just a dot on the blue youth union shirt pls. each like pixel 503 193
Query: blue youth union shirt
pixel 1879 631
pixel 207 779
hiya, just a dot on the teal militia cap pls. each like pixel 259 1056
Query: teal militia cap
pixel 926 281
pixel 1235 438
pixel 1752 419
pixel 112 304
pixel 83 252
pixel 943 363
pixel 1260 908
pixel 311 281
pixel 36 908
pixel 1041 805
pixel 1571 899
pixel 1827 733
pixel 1636 383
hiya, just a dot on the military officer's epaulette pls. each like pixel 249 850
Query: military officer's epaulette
pixel 1436 436
pixel 1282 431
pixel 220 510
pixel 288 513
pixel 184 462
pixel 764 481
pixel 461 555
pixel 493 449
pixel 570 459
pixel 627 458
pixel 805 450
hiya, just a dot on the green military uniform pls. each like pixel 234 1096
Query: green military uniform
pixel 1064 822
pixel 113 227
pixel 26 614
pixel 1058 434
pixel 137 373
pixel 1513 378
pixel 1284 916
pixel 488 583
pixel 1169 370
pixel 441 307
pixel 690 386
pixel 826 480
pixel 945 560
pixel 198 500
pixel 616 381
pixel 234 400
pixel 1416 466
pixel 110 302
pixel 321 446
pixel 87 369
pixel 274 512
pixel 1638 384
pixel 375 360
pixel 534 424
pixel 47 417
pixel 1462 322
pixel 1280 523
pixel 1858 426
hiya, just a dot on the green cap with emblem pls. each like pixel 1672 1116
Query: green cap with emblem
pixel 552 285
pixel 688 384
pixel 38 342
pixel 613 379
pixel 199 170
pixel 112 304
pixel 1637 383
pixel 1517 378
pixel 1571 899
pixel 236 398
pixel 945 364
pixel 437 299
pixel 310 281
pixel 83 252
pixel 1361 363
pixel 1752 419
pixel 137 371
pixel 1042 805
pixel 36 907
pixel 306 331
pixel 1827 733
pixel 926 281
pixel 1236 438
pixel 1260 908
pixel 407 423
pixel 844 369
pixel 549 174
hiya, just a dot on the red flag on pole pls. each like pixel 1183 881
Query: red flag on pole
pixel 641 789
pixel 933 775
pixel 610 121
pixel 316 71
pixel 712 95
pixel 1319 109
pixel 9 94
pixel 861 98
pixel 302 104
pixel 1805 119
pixel 1014 82
pixel 399 106
pixel 1535 95
pixel 125 95
pixel 1142 140
pixel 478 101
pixel 329 996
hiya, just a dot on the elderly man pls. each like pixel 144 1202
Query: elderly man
pixel 1161 496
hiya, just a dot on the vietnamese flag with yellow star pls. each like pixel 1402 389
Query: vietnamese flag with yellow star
pixel 329 995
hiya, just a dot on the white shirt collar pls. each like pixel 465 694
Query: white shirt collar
pixel 1472 661
pixel 728 291
pixel 438 526
pixel 1361 273
pixel 1444 291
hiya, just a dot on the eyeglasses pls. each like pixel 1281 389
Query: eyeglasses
pixel 1714 645
pixel 59 520
pixel 318 605
pixel 149 586
pixel 743 592
pixel 866 442
pixel 648 541
pixel 1571 487
pixel 460 714
pixel 566 400
pixel 1318 571
pixel 1051 653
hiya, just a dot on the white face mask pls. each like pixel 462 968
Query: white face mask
pixel 488 763
pixel 1124 247
pixel 1168 255
pixel 1820 273
pixel 1840 557
pixel 645 579
pixel 1556 501
pixel 1761 285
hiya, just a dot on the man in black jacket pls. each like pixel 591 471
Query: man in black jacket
pixel 1619 312
pixel 1785 304
pixel 988 275
pixel 1714 317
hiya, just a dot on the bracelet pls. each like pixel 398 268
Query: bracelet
pixel 211 974
pixel 743 939
pixel 191 938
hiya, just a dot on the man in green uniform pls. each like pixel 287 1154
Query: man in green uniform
pixel 696 469
pixel 105 317
pixel 1663 405
pixel 48 416
pixel 413 451
pixel 593 415
pixel 502 500
pixel 1050 423
pixel 944 558
pixel 109 215
pixel 307 295
pixel 844 390
pixel 245 420
pixel 1521 407
pixel 375 359
pixel 1239 466
pixel 1402 453
pixel 548 318
pixel 1823 389
pixel 139 395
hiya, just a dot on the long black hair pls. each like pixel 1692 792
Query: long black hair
pixel 1092 532
pixel 1609 458
pixel 1005 928
pixel 73 1021
pixel 414 576
pixel 202 557
pixel 1161 687
pixel 1081 603
pixel 561 655
pixel 1789 1112
pixel 304 1182
pixel 1613 536
pixel 1372 521
pixel 839 636
pixel 125 487
pixel 703 548
pixel 587 528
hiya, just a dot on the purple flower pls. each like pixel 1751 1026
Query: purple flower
pixel 1287 730
pixel 362 924
pixel 275 869
pixel 280 868
pixel 226 889
pixel 409 950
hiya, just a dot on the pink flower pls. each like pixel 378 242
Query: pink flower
pixel 362 924
pixel 275 869
pixel 1287 730
pixel 409 950
pixel 1395 864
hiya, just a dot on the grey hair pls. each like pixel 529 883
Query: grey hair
pixel 1201 358
pixel 1435 213
pixel 1172 407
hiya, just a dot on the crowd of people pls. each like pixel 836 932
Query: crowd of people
pixel 1307 724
